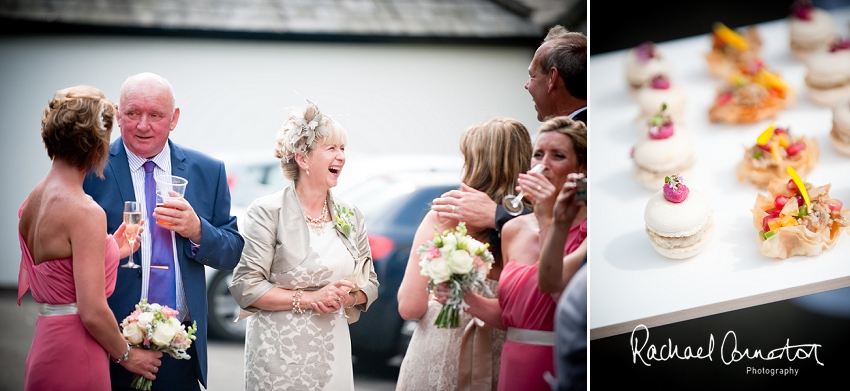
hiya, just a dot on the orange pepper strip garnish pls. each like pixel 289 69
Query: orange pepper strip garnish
pixel 765 136
pixel 730 37
pixel 773 81
pixel 800 185
pixel 774 153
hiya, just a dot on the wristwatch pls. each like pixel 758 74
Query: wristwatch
pixel 354 296
pixel 123 358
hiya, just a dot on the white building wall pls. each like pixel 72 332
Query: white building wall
pixel 234 95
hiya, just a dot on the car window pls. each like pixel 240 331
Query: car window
pixel 419 204
pixel 388 201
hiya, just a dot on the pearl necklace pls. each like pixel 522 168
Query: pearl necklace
pixel 317 224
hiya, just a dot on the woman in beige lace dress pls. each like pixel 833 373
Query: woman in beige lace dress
pixel 300 245
pixel 495 152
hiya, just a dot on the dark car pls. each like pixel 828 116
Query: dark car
pixel 394 205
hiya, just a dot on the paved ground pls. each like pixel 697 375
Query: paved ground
pixel 225 367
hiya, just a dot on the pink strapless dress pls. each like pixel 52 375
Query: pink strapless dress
pixel 63 356
pixel 525 307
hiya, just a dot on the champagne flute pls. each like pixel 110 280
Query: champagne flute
pixel 132 222
pixel 513 203
pixel 352 279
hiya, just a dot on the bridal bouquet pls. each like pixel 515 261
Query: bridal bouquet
pixel 459 261
pixel 155 327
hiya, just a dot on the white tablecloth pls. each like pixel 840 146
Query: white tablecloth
pixel 630 283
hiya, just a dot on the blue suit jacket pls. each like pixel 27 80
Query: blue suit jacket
pixel 220 247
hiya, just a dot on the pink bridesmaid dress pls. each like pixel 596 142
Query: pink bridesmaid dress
pixel 63 356
pixel 524 307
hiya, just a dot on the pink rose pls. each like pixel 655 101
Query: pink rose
pixel 168 313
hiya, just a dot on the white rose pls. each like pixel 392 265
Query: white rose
pixel 439 271
pixel 460 262
pixel 165 331
pixel 449 242
pixel 474 246
pixel 145 318
pixel 134 334
pixel 424 267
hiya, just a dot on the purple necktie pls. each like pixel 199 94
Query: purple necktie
pixel 161 282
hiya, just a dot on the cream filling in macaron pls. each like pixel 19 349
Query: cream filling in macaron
pixel 678 241
pixel 828 69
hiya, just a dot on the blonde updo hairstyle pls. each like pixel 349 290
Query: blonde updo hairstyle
pixel 576 131
pixel 76 127
pixel 305 129
pixel 494 154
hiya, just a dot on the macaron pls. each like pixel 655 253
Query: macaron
pixel 828 77
pixel 840 133
pixel 661 91
pixel 644 62
pixel 811 29
pixel 678 220
pixel 664 149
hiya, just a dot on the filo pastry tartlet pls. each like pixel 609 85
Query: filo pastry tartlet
pixel 731 51
pixel 749 98
pixel 797 218
pixel 775 149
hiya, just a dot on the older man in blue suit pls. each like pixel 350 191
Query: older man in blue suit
pixel 180 237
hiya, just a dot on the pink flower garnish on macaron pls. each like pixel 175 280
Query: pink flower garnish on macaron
pixel 645 51
pixel 660 125
pixel 840 44
pixel 674 190
pixel 660 82
pixel 661 132
pixel 802 9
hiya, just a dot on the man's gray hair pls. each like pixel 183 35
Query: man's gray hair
pixel 567 52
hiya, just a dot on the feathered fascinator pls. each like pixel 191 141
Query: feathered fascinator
pixel 300 131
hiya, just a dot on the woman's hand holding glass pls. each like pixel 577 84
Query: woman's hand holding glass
pixel 352 279
pixel 331 297
pixel 513 204
pixel 540 192
pixel 127 247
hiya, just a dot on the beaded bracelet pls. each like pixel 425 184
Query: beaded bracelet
pixel 296 302
pixel 353 303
